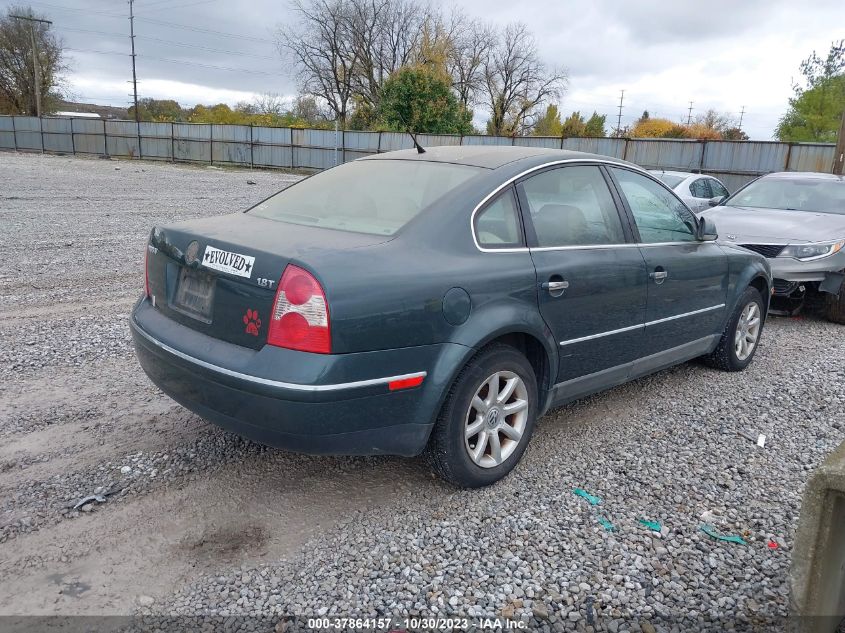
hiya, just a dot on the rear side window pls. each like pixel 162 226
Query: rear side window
pixel 700 189
pixel 378 197
pixel 660 216
pixel 572 206
pixel 497 225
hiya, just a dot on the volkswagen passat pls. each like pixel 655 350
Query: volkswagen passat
pixel 439 302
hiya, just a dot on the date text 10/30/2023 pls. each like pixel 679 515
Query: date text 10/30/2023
pixel 402 624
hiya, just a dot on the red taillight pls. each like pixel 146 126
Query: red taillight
pixel 300 318
pixel 147 271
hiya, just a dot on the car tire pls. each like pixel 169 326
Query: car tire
pixel 479 401
pixel 731 354
pixel 834 306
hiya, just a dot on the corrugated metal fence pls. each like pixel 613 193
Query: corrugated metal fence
pixel 735 162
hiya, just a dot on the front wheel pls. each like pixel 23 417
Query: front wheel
pixel 487 419
pixel 741 337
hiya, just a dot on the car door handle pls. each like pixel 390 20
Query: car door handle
pixel 555 288
pixel 659 276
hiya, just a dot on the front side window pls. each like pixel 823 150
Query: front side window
pixel 660 216
pixel 572 206
pixel 700 189
pixel 378 197
pixel 497 225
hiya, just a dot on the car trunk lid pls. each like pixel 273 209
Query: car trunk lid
pixel 219 275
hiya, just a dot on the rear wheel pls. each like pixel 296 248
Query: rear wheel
pixel 487 419
pixel 741 337
pixel 834 306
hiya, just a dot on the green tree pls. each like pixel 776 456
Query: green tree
pixel 574 126
pixel 17 73
pixel 158 110
pixel 595 125
pixel 734 134
pixel 220 114
pixel 549 124
pixel 419 99
pixel 815 111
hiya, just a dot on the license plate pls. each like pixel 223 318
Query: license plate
pixel 194 295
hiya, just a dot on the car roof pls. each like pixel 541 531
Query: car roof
pixel 492 156
pixel 680 174
pixel 804 175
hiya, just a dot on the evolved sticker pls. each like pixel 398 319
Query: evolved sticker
pixel 224 261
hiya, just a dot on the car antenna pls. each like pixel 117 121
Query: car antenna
pixel 420 149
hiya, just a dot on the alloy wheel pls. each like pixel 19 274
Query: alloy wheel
pixel 496 419
pixel 747 331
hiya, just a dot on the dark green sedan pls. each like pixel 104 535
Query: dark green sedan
pixel 439 302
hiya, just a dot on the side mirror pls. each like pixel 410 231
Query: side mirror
pixel 715 202
pixel 707 230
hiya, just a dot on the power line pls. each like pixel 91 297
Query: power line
pixel 237 70
pixel 115 33
pixel 200 30
pixel 91 50
pixel 75 10
pixel 178 6
pixel 171 42
pixel 205 48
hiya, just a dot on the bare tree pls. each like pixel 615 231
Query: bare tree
pixel 472 44
pixel 388 35
pixel 17 74
pixel 344 50
pixel 715 120
pixel 517 82
pixel 306 107
pixel 321 46
pixel 269 103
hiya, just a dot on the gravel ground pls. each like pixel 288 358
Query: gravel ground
pixel 196 521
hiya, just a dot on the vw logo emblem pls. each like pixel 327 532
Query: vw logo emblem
pixel 191 252
pixel 493 418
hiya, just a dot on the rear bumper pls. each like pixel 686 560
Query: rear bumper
pixel 310 403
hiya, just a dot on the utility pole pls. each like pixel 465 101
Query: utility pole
pixel 741 115
pixel 36 67
pixel 689 113
pixel 839 156
pixel 619 118
pixel 134 76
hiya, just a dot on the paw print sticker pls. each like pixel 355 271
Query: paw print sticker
pixel 252 321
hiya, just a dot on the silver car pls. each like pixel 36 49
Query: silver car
pixel 696 190
pixel 797 221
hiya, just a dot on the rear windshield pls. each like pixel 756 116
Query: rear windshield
pixel 378 197
pixel 793 194
pixel 670 180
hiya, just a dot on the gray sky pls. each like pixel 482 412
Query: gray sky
pixel 719 54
